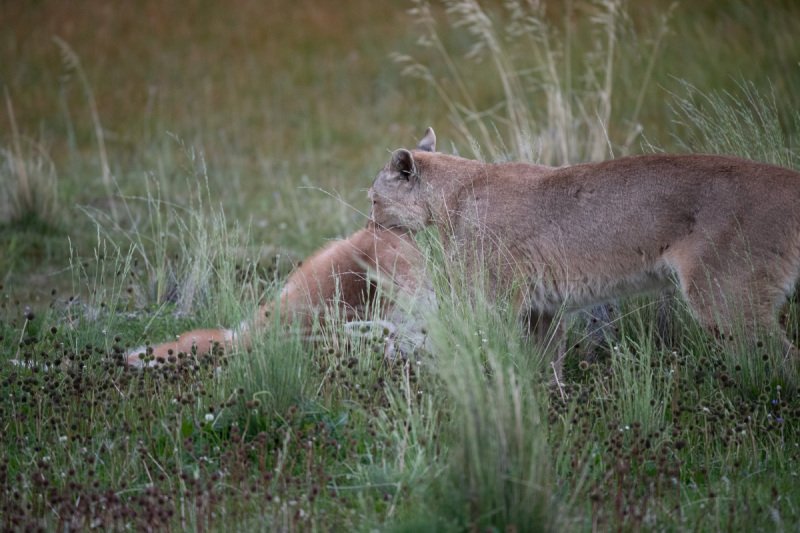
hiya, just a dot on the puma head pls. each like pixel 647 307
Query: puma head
pixel 396 193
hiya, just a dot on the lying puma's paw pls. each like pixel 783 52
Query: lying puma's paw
pixel 196 342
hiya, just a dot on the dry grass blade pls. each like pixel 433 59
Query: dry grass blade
pixel 73 64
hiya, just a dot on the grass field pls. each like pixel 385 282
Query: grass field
pixel 163 165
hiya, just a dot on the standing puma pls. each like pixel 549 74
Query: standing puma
pixel 347 274
pixel 727 229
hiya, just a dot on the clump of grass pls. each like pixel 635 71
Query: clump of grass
pixel 182 254
pixel 28 180
pixel 497 466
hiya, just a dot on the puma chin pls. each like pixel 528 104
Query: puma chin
pixel 727 229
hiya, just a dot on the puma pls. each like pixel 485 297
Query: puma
pixel 346 275
pixel 727 230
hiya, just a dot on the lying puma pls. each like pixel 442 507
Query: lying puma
pixel 727 229
pixel 347 274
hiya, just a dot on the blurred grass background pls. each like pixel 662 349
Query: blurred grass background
pixel 283 98
pixel 152 153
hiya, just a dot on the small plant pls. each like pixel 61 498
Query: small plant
pixel 28 179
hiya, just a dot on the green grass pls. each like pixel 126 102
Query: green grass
pixel 160 171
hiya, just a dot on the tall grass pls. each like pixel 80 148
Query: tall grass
pixel 72 64
pixel 466 436
pixel 29 181
pixel 499 470
pixel 544 112
pixel 744 122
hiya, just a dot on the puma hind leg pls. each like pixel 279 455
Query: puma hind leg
pixel 740 305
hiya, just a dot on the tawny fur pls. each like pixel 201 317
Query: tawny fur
pixel 727 229
pixel 346 273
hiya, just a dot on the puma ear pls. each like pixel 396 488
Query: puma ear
pixel 403 162
pixel 428 143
